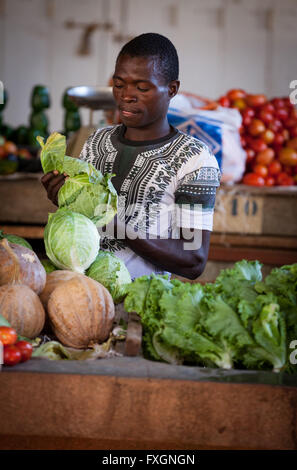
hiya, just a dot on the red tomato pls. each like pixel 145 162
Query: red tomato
pixel 11 355
pixel 281 114
pixel 253 179
pixel 224 101
pixel 284 180
pixel 10 147
pixel 243 141
pixel 265 157
pixel 268 108
pixel 236 94
pixel 268 136
pixel 256 100
pixel 293 113
pixel 257 145
pixel 293 131
pixel 274 168
pixel 292 144
pixel 269 181
pixel 246 120
pixel 25 349
pixel 248 112
pixel 256 127
pixel 7 335
pixel 239 103
pixel 278 103
pixel 261 170
pixel 287 102
pixel 279 139
pixel 290 122
pixel 288 156
pixel 275 125
pixel 265 116
pixel 286 134
pixel 250 155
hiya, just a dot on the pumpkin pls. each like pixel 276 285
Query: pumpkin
pixel 81 312
pixel 54 279
pixel 20 265
pixel 22 308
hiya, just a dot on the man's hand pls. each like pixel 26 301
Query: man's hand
pixel 52 182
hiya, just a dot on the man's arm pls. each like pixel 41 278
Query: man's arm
pixel 172 255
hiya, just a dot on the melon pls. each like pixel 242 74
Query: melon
pixel 22 308
pixel 20 265
pixel 81 312
pixel 54 279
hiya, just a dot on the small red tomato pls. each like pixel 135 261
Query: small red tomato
pixel 26 350
pixel 275 125
pixel 260 170
pixel 278 103
pixel 248 112
pixel 268 108
pixel 256 127
pixel 250 155
pixel 281 114
pixel 279 139
pixel 288 156
pixel 253 179
pixel 265 116
pixel 268 136
pixel 257 145
pixel 11 355
pixel 8 335
pixel 289 170
pixel 269 181
pixel 265 157
pixel 286 134
pixel 293 113
pixel 224 101
pixel 290 122
pixel 236 94
pixel 256 100
pixel 274 168
pixel 284 180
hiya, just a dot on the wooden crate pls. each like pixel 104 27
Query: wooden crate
pixel 250 210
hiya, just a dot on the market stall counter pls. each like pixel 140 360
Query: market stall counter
pixel 133 403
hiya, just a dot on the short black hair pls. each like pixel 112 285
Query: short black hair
pixel 155 45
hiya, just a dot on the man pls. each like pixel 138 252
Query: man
pixel 161 174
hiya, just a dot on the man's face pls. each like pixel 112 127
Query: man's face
pixel 140 91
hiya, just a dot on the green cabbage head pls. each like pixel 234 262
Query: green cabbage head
pixel 110 271
pixel 71 240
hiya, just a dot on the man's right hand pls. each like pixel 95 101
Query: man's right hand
pixel 52 182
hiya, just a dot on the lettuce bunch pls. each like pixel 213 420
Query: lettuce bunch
pixel 239 321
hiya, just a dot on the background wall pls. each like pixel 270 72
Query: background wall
pixel 222 44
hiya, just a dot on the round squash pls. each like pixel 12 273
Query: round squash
pixel 22 308
pixel 81 312
pixel 53 280
pixel 20 265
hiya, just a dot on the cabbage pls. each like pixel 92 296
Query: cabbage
pixel 110 271
pixel 48 266
pixel 15 239
pixel 86 191
pixel 71 240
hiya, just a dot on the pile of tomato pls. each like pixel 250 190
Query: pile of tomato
pixel 268 135
pixel 14 351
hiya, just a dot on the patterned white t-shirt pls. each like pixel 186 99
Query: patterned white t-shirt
pixel 163 186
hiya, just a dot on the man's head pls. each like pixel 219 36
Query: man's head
pixel 144 81
pixel 157 47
